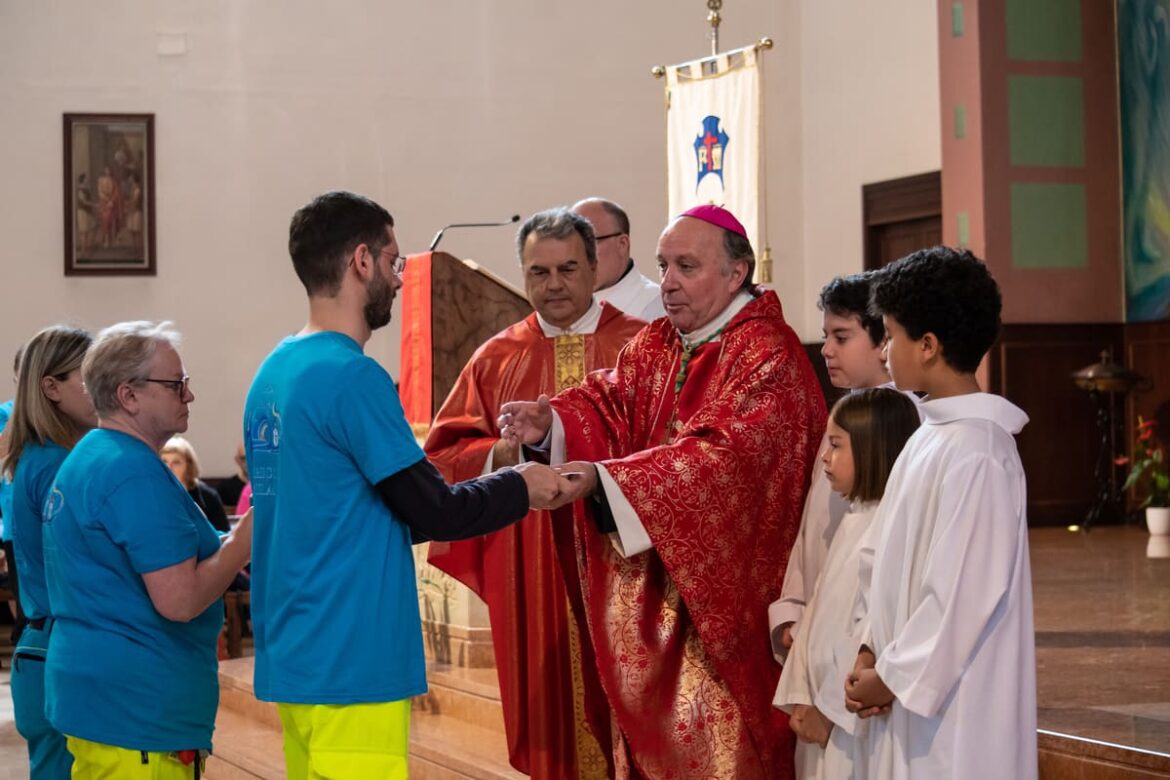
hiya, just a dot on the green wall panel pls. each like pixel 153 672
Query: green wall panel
pixel 1046 117
pixel 1049 226
pixel 1048 30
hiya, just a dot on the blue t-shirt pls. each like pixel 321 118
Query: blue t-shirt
pixel 5 484
pixel 118 672
pixel 334 600
pixel 30 487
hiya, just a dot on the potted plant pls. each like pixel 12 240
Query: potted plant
pixel 1149 471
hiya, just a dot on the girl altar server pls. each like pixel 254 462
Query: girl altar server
pixel 866 431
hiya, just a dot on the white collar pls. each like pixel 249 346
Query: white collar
pixel 980 406
pixel 584 326
pixel 699 335
pixel 629 284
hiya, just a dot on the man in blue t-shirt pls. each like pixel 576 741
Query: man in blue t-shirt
pixel 340 491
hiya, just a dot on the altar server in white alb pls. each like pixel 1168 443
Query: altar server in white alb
pixel 947 673
pixel 855 357
pixel 866 432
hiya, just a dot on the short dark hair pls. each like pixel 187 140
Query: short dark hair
pixel 943 291
pixel 325 231
pixel 738 247
pixel 558 223
pixel 848 296
pixel 879 421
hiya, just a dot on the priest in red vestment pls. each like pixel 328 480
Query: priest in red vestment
pixel 696 452
pixel 552 701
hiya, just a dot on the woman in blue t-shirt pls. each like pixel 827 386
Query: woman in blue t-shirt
pixel 52 411
pixel 135 573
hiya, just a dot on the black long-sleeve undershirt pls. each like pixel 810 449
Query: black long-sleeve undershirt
pixel 421 498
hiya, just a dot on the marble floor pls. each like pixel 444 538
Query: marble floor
pixel 1102 608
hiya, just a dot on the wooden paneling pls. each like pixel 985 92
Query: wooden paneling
pixel 1030 366
pixel 1147 351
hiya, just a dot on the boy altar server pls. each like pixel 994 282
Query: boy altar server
pixel 854 353
pixel 947 663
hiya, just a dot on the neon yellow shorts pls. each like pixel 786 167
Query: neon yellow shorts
pixel 341 741
pixel 95 761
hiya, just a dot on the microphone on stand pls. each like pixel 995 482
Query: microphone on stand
pixel 439 236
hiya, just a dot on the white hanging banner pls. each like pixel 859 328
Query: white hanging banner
pixel 713 137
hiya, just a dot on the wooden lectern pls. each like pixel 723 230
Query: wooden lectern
pixel 449 307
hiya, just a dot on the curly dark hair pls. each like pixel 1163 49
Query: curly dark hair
pixel 847 296
pixel 943 291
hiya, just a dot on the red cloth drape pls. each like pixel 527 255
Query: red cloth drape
pixel 680 632
pixel 414 380
pixel 516 570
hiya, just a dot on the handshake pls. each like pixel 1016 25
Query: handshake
pixel 551 487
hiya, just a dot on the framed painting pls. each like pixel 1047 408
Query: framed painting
pixel 109 194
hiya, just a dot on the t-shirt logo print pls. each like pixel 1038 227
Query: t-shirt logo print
pixel 53 505
pixel 263 446
pixel 710 149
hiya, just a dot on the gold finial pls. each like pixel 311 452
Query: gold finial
pixel 765 43
pixel 658 71
pixel 713 18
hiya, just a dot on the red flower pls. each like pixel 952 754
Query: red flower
pixel 1121 461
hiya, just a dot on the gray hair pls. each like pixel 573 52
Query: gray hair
pixel 739 248
pixel 558 223
pixel 120 354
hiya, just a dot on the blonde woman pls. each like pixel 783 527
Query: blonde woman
pixel 180 457
pixel 52 411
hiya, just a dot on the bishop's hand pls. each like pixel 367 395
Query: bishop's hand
pixel 582 479
pixel 525 422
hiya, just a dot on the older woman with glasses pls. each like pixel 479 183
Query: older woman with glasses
pixel 135 573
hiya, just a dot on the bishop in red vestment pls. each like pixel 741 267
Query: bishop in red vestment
pixel 698 447
pixel 553 703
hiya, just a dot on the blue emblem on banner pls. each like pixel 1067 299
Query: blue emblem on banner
pixel 710 148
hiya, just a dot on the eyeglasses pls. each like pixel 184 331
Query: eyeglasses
pixel 178 386
pixel 608 235
pixel 399 261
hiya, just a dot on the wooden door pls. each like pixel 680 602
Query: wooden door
pixel 901 216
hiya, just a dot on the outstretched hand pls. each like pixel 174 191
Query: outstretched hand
pixel 582 478
pixel 546 488
pixel 525 422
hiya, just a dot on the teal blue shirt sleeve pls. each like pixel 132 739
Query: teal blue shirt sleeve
pixel 149 520
pixel 369 424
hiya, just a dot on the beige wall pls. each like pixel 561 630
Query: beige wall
pixel 869 112
pixel 449 110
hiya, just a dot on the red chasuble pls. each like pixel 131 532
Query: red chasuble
pixel 717 475
pixel 555 715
